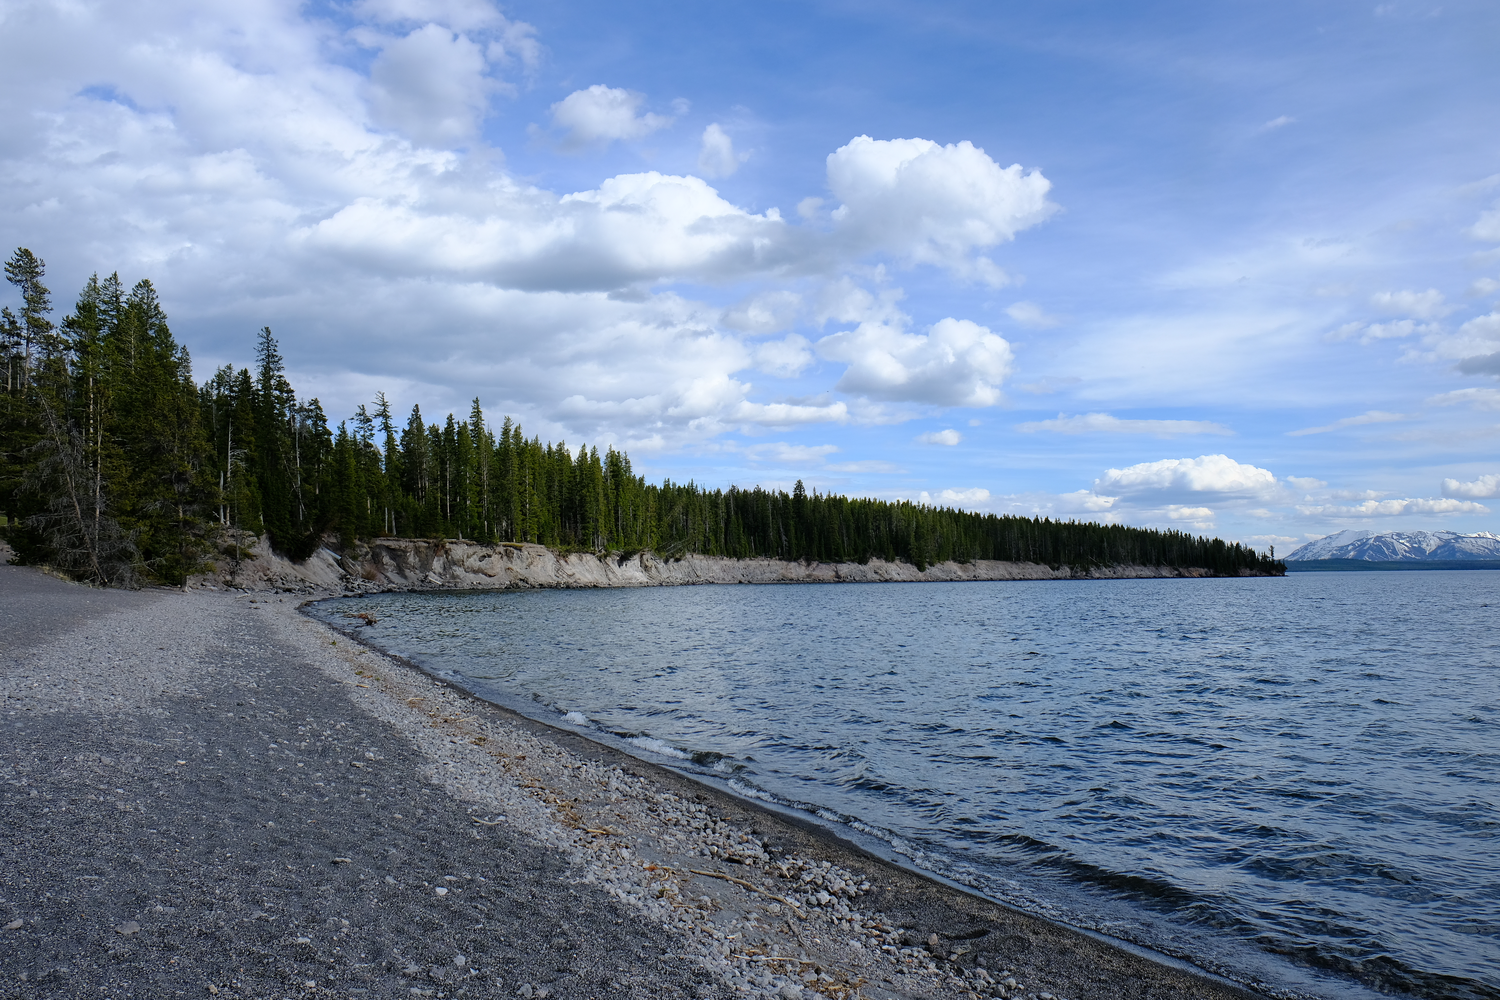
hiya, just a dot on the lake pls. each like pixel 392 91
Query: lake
pixel 1293 782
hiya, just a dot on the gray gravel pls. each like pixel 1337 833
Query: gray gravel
pixel 208 794
pixel 180 817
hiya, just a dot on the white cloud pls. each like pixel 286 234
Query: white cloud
pixel 1488 226
pixel 768 312
pixel 505 41
pixel 632 228
pixel 789 454
pixel 1484 486
pixel 1104 423
pixel 430 86
pixel 1086 501
pixel 785 358
pixel 716 155
pixel 1276 123
pixel 1485 327
pixel 933 204
pixel 245 162
pixel 948 437
pixel 1175 476
pixel 843 301
pixel 1418 305
pixel 1368 417
pixel 872 465
pixel 462 15
pixel 791 414
pixel 957 363
pixel 1198 518
pixel 1031 315
pixel 1394 508
pixel 1479 399
pixel 1484 286
pixel 603 115
pixel 956 498
pixel 1304 483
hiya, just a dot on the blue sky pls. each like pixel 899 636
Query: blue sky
pixel 1231 268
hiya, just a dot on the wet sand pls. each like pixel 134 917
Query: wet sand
pixel 210 794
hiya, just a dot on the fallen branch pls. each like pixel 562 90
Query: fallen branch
pixel 748 885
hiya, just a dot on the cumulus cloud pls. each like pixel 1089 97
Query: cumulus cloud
pixel 430 86
pixel 633 228
pixel 1368 417
pixel 1418 305
pixel 948 437
pixel 1085 501
pixel 1104 423
pixel 1480 364
pixel 956 363
pixel 933 204
pixel 600 115
pixel 785 358
pixel 358 213
pixel 1484 486
pixel 716 155
pixel 505 41
pixel 768 312
pixel 1218 474
pixel 1394 508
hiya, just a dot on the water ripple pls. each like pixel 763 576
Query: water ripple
pixel 1286 780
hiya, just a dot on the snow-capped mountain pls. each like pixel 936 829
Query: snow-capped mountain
pixel 1400 546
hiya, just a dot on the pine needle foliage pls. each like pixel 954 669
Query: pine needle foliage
pixel 117 467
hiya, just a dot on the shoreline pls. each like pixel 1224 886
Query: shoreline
pixel 758 904
pixel 403 564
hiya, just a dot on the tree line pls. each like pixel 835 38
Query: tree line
pixel 117 467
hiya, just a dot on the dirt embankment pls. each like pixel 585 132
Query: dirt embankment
pixel 449 564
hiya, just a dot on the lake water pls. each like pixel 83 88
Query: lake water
pixel 1293 782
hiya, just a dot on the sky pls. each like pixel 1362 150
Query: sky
pixel 1229 268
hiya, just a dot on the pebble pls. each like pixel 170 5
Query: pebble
pixel 15 925
pixel 128 928
pixel 441 890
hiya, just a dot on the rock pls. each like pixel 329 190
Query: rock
pixel 441 890
pixel 15 925
pixel 933 944
pixel 790 991
pixel 128 928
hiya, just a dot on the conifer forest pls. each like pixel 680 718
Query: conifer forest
pixel 118 468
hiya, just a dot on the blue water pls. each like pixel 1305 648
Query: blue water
pixel 1294 782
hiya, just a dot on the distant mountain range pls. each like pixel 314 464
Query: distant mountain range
pixel 1400 546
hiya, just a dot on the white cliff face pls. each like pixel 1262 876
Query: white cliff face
pixel 1401 546
pixel 419 564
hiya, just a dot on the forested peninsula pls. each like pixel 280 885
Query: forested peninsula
pixel 118 468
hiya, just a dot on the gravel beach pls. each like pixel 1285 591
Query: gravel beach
pixel 210 794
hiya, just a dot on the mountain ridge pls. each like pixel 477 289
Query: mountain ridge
pixel 1400 546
